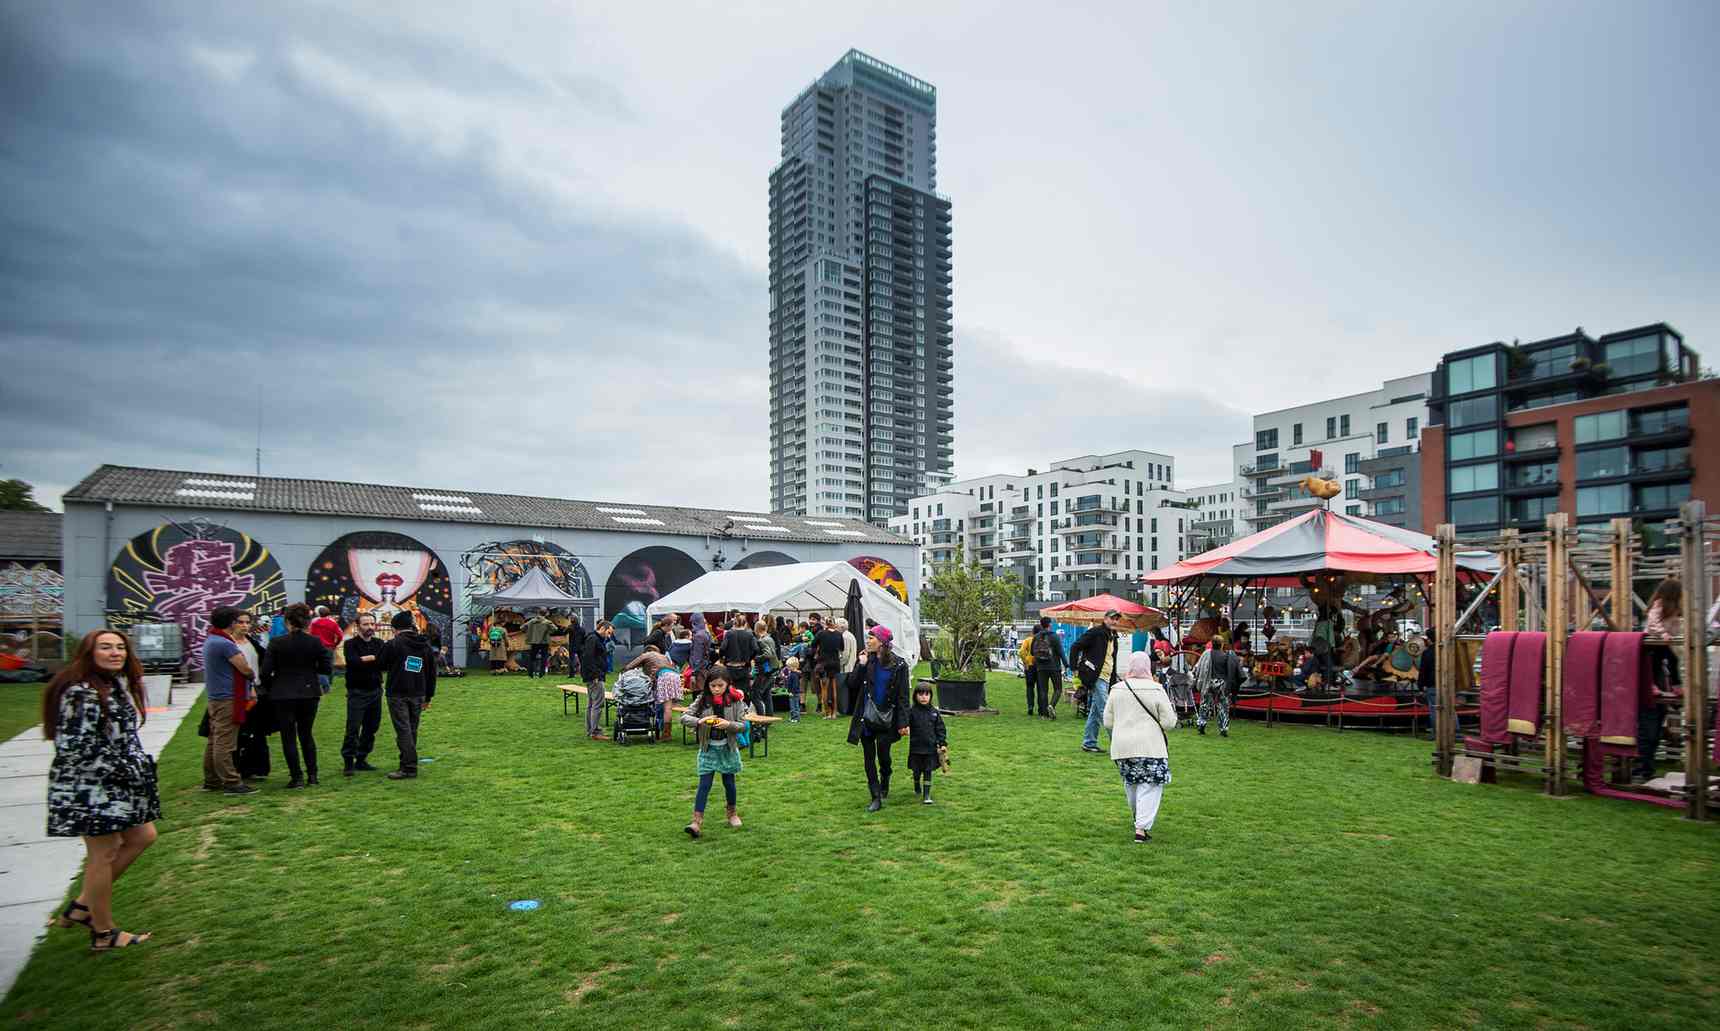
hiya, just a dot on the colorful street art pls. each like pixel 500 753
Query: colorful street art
pixel 493 566
pixel 181 572
pixel 31 593
pixel 882 573
pixel 640 579
pixel 761 559
pixel 382 572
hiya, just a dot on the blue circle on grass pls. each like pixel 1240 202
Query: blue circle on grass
pixel 524 905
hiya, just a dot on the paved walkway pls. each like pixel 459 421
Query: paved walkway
pixel 36 870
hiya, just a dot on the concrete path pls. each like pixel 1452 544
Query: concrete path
pixel 36 870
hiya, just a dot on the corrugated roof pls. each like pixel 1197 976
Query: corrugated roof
pixel 124 485
pixel 30 535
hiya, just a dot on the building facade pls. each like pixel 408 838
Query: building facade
pixel 1083 526
pixel 861 326
pixel 1597 428
pixel 1334 437
pixel 1218 510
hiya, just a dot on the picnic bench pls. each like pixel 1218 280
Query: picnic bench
pixel 760 731
pixel 578 691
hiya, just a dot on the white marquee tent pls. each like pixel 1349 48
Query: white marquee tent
pixel 798 590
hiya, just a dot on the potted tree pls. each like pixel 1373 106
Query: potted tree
pixel 970 605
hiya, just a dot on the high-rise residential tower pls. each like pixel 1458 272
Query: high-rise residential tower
pixel 861 364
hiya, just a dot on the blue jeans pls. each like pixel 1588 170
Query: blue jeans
pixel 794 705
pixel 1095 714
pixel 705 790
pixel 326 681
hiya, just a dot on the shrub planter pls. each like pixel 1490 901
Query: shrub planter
pixel 960 695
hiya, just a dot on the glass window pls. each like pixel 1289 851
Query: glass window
pixel 1389 506
pixel 1054 490
pixel 1542 400
pixel 1266 461
pixel 1466 374
pixel 1352 489
pixel 1380 433
pixel 1634 357
pixel 1480 444
pixel 1352 461
pixel 1475 511
pixel 1468 478
pixel 1660 420
pixel 1613 500
pixel 1265 440
pixel 1657 460
pixel 1411 427
pixel 1660 496
pixel 1607 461
pixel 1534 474
pixel 1534 438
pixel 1389 478
pixel 1343 425
pixel 1296 434
pixel 1533 510
pixel 1600 426
pixel 1552 361
pixel 1473 411
pixel 1354 510
pixel 1331 427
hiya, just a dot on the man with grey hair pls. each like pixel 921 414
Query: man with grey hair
pixel 850 647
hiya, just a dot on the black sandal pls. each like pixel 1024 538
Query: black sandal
pixel 107 941
pixel 66 919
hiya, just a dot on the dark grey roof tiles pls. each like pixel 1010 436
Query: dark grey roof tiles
pixel 124 485
pixel 30 535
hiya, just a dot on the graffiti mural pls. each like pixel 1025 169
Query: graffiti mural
pixel 382 572
pixel 493 566
pixel 35 592
pixel 882 573
pixel 761 559
pixel 640 579
pixel 181 572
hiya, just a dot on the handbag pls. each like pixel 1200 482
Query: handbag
pixel 876 718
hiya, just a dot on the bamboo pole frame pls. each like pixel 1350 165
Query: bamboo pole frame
pixel 1693 521
pixel 1558 626
pixel 1445 645
pixel 1509 557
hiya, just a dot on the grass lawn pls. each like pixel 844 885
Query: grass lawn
pixel 1298 876
pixel 20 708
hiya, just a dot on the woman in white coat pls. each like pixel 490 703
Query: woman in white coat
pixel 1138 714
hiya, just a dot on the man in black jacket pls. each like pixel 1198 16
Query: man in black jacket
pixel 738 651
pixel 1223 677
pixel 593 663
pixel 1096 661
pixel 363 653
pixel 1046 676
pixel 410 664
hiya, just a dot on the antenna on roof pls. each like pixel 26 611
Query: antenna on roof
pixel 259 440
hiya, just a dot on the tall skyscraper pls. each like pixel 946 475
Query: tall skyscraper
pixel 861 363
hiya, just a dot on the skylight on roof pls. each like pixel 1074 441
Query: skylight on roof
pixel 637 522
pixel 200 492
pixel 197 481
pixel 767 527
pixel 621 511
pixel 845 533
pixel 446 499
pixel 455 509
pixel 821 522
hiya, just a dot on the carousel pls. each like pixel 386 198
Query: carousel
pixel 1378 575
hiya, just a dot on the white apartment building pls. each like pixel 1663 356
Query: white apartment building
pixel 1082 526
pixel 1217 518
pixel 1334 436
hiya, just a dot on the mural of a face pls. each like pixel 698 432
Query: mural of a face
pixel 182 572
pixel 643 577
pixel 882 573
pixel 382 573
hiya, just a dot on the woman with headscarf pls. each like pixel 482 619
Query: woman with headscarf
pixel 1138 715
pixel 879 688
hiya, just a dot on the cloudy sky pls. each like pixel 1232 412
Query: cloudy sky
pixel 521 247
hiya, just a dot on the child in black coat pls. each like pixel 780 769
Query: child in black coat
pixel 925 736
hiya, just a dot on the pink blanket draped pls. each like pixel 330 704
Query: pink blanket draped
pixel 1496 653
pixel 1626 685
pixel 1528 678
pixel 1582 685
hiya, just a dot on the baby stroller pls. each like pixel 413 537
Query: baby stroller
pixel 635 707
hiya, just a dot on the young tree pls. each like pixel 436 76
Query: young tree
pixel 16 496
pixel 972 605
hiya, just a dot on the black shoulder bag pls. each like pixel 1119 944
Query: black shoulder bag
pixel 874 717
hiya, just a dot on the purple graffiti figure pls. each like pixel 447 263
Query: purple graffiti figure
pixel 198 579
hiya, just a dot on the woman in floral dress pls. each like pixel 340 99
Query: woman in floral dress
pixel 101 784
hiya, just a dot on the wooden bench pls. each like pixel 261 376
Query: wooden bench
pixel 578 691
pixel 760 731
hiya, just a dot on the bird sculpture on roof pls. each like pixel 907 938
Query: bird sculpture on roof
pixel 1320 487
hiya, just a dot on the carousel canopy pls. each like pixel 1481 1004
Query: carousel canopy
pixel 1321 541
pixel 531 591
pixel 1088 611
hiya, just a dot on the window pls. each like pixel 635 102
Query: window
pixel 1533 510
pixel 1054 490
pixel 1054 508
pixel 1466 374
pixel 1534 438
pixel 1660 496
pixel 1634 357
pixel 1354 510
pixel 1331 428
pixel 1352 489
pixel 1542 474
pixel 1265 440
pixel 1352 462
pixel 1411 427
pixel 1475 511
pixel 1660 420
pixel 1479 444
pixel 1606 461
pixel 1296 434
pixel 1389 506
pixel 1602 426
pixel 1551 361
pixel 1661 459
pixel 1266 461
pixel 1381 433
pixel 1473 411
pixel 1343 425
pixel 1389 478
pixel 1611 500
pixel 1468 478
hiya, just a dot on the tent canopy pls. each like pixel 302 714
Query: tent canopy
pixel 531 591
pixel 797 589
pixel 1321 541
pixel 1090 611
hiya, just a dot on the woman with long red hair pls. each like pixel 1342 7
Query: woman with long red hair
pixel 101 785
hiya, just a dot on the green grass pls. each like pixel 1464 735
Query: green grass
pixel 20 708
pixel 1298 877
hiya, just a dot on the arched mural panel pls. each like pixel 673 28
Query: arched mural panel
pixel 640 579
pixel 181 572
pixel 883 573
pixel 761 559
pixel 382 572
pixel 497 564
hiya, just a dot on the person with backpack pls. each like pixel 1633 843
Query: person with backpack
pixel 1222 676
pixel 498 642
pixel 410 663
pixel 1096 657
pixel 1138 715
pixel 1047 677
